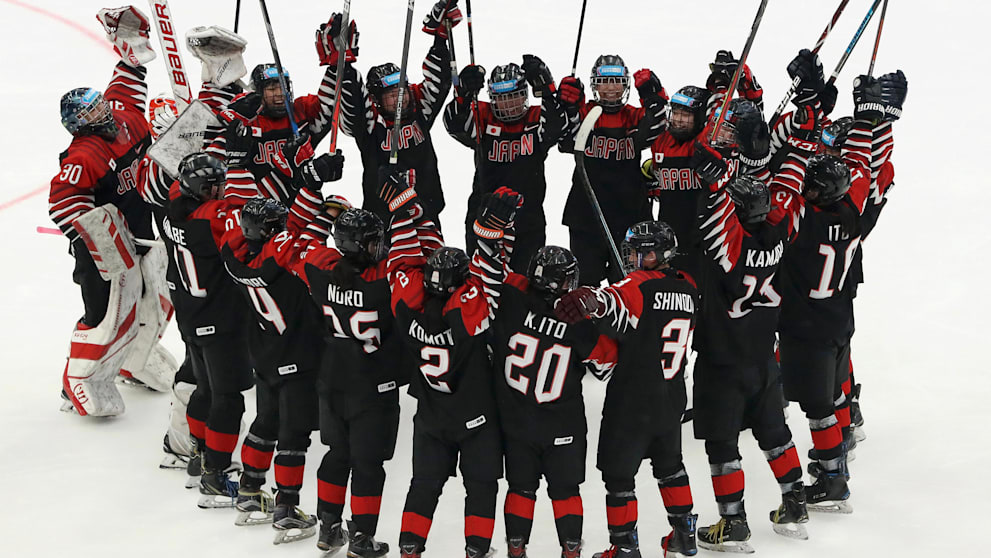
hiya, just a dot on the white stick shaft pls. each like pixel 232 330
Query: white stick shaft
pixel 170 41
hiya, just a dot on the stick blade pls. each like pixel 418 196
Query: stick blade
pixel 588 124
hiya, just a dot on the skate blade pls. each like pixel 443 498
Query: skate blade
pixel 791 530
pixel 132 382
pixel 211 502
pixel 192 482
pixel 67 407
pixel 329 551
pixel 255 517
pixel 672 554
pixel 858 434
pixel 284 536
pixel 735 547
pixel 173 462
pixel 851 456
pixel 837 506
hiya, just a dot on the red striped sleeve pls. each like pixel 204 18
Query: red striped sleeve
pixel 128 87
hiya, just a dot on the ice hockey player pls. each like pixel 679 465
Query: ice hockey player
pixel 812 89
pixel 96 186
pixel 651 312
pixel 737 383
pixel 212 319
pixel 368 110
pixel 612 158
pixel 542 361
pixel 511 140
pixel 444 304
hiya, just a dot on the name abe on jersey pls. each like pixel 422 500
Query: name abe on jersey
pixel 546 325
pixel 506 151
pixel 408 133
pixel 175 234
pixel 766 258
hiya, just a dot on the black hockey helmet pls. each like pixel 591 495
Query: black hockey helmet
pixel 261 77
pixel 85 111
pixel 359 234
pixel 835 134
pixel 446 270
pixel 263 218
pixel 202 176
pixel 610 68
pixel 383 78
pixel 827 180
pixel 508 92
pixel 751 198
pixel 693 100
pixel 646 237
pixel 553 271
pixel 740 113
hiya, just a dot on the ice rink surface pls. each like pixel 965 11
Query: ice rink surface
pixel 86 487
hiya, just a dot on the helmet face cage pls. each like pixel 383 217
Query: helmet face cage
pixel 646 237
pixel 160 104
pixel 265 75
pixel 445 271
pixel 685 103
pixel 202 176
pixel 508 93
pixel 610 70
pixel 263 218
pixel 84 111
pixel 727 130
pixel 384 79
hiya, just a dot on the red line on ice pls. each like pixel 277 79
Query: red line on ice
pixel 22 197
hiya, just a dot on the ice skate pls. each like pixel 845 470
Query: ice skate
pixel 571 549
pixel 218 490
pixel 332 536
pixel 730 534
pixel 829 494
pixel 856 418
pixel 254 506
pixel 789 519
pixel 292 524
pixel 412 550
pixel 628 548
pixel 126 379
pixel 194 469
pixel 472 552
pixel 680 541
pixel 361 545
pixel 516 547
pixel 66 406
pixel 173 460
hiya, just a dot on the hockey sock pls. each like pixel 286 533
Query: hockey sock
pixel 827 439
pixel 518 512
pixel 418 514
pixel 367 480
pixel 568 514
pixel 480 506
pixel 197 412
pixel 289 466
pixel 621 510
pixel 256 455
pixel 727 485
pixel 785 465
pixel 223 429
pixel 332 481
pixel 676 492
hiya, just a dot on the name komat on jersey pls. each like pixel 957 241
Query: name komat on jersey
pixel 817 297
pixel 453 383
pixel 205 299
pixel 651 314
pixel 94 171
pixel 541 362
pixel 513 153
pixel 288 338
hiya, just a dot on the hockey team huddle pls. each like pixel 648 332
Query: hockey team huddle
pixel 327 308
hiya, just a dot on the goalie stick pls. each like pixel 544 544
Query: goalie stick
pixel 162 14
pixel 581 138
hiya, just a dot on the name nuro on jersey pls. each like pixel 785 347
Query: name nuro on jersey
pixel 547 326
pixel 346 298
pixel 674 301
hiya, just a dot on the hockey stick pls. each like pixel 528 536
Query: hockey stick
pixel 341 41
pixel 170 50
pixel 578 42
pixel 794 83
pixel 237 14
pixel 477 185
pixel 450 47
pixel 397 125
pixel 580 139
pixel 853 43
pixel 739 70
pixel 278 67
pixel 877 40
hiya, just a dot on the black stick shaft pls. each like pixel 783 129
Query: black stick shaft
pixel 237 15
pixel 853 43
pixel 397 125
pixel 739 70
pixel 578 42
pixel 877 40
pixel 341 42
pixel 280 69
pixel 471 34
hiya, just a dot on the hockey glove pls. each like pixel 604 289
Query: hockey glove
pixel 827 98
pixel 708 164
pixel 650 180
pixel 648 84
pixel 330 39
pixel 471 80
pixel 894 89
pixel 433 23
pixel 127 29
pixel 325 168
pixel 537 74
pixel 578 305
pixel 807 133
pixel 221 53
pixel 162 121
pixel 497 213
pixel 808 69
pixel 721 71
pixel 571 91
pixel 239 143
pixel 867 101
pixel 397 188
pixel 754 140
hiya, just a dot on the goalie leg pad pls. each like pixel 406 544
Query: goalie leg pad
pixel 148 361
pixel 96 354
pixel 108 240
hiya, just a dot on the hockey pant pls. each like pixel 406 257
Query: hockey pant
pixel 360 441
pixel 436 456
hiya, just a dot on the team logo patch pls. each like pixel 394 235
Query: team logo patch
pixel 493 130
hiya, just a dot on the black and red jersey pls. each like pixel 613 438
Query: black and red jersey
pixel 513 153
pixel 882 179
pixel 453 383
pixel 205 299
pixel 372 131
pixel 651 314
pixel 612 160
pixel 540 362
pixel 95 171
